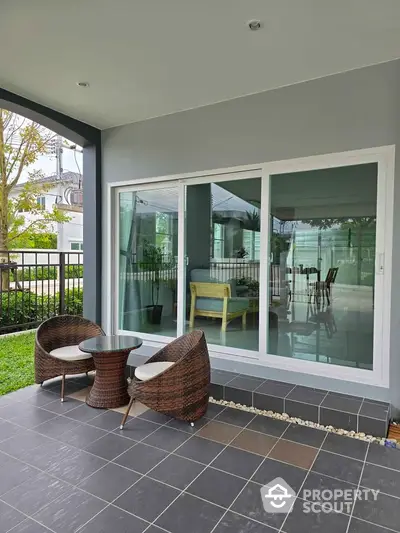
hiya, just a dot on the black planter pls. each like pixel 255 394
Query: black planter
pixel 154 313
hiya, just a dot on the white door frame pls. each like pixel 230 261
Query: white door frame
pixel 383 156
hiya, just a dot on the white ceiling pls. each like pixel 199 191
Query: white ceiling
pixel 146 58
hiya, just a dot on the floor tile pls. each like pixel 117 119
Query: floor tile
pixel 199 449
pixel 380 455
pixel 29 526
pixel 76 468
pixel 275 388
pixel 232 394
pixel 109 482
pixel 213 410
pixel 305 411
pixel 359 526
pixel 305 435
pixel 61 408
pixel 382 479
pixel 185 426
pixel 44 399
pixel 298 521
pixel 221 377
pixel 114 520
pixel 167 439
pixel 217 487
pixel 26 393
pixel 374 410
pixel 83 413
pixel 147 499
pixel 235 417
pixel 342 445
pixel 249 504
pixel 22 442
pixel 109 446
pixel 153 416
pixel 252 441
pixel 13 473
pixel 34 418
pixel 373 426
pixel 107 421
pixel 267 402
pixel 9 517
pixel 338 419
pixel 39 490
pixel 216 391
pixel 342 403
pixel 238 462
pixel 176 471
pixel 246 383
pixel 234 523
pixel 141 458
pixel 188 513
pixel 136 409
pixel 138 429
pixel 320 482
pixel 293 453
pixel 337 466
pixel 219 432
pixel 270 469
pixel 307 395
pixel 50 454
pixel 57 426
pixel 382 512
pixel 8 430
pixel 267 425
pixel 82 436
pixel 67 514
pixel 80 395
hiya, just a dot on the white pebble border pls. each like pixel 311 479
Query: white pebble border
pixel 390 443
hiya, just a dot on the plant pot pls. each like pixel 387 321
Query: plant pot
pixel 154 313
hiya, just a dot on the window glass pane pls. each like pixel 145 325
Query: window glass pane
pixel 75 246
pixel 222 248
pixel 322 265
pixel 148 228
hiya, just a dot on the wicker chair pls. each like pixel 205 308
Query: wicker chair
pixel 182 390
pixel 59 332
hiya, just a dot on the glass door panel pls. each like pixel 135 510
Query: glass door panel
pixel 148 250
pixel 322 265
pixel 223 261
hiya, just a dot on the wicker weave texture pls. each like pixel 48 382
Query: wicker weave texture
pixel 181 391
pixel 56 332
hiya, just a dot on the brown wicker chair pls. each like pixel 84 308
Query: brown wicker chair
pixel 58 332
pixel 181 391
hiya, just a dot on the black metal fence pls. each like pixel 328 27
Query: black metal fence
pixel 36 285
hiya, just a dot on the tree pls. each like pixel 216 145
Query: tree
pixel 21 143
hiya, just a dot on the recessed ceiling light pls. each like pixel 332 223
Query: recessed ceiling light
pixel 254 25
pixel 82 84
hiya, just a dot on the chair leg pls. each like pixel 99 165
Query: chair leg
pixel 244 320
pixel 62 387
pixel 127 413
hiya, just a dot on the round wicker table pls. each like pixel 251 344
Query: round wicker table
pixel 110 354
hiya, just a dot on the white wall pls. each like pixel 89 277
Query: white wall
pixel 354 110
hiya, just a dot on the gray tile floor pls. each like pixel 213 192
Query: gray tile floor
pixel 67 468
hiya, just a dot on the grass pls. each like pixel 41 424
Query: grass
pixel 16 362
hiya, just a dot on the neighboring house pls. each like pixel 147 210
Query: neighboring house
pixel 67 194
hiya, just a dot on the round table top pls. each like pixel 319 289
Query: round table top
pixel 110 343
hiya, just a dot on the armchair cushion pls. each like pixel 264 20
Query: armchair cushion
pixel 217 304
pixel 151 370
pixel 70 353
pixel 203 275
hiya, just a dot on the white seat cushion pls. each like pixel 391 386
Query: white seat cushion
pixel 70 353
pixel 145 372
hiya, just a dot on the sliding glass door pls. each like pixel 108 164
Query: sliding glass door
pixel 148 251
pixel 322 241
pixel 284 267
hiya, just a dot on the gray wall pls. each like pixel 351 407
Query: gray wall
pixel 357 109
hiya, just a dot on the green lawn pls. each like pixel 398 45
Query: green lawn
pixel 16 361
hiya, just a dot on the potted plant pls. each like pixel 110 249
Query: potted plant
pixel 153 263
